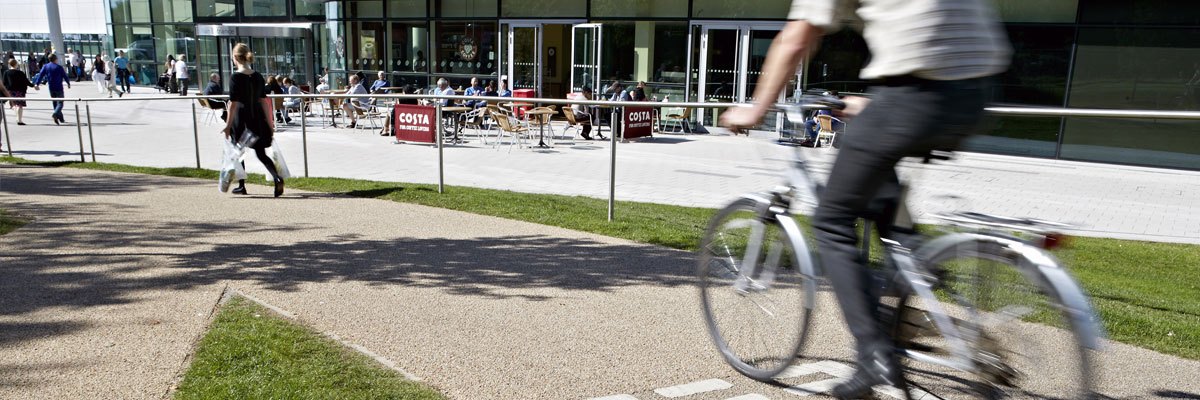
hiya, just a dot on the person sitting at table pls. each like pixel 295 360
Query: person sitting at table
pixel 474 90
pixel 408 89
pixel 291 103
pixel 582 113
pixel 490 91
pixel 323 86
pixel 444 89
pixel 355 104
pixel 639 92
pixel 380 83
pixel 503 91
pixel 214 89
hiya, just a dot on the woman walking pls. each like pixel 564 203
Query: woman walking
pixel 99 74
pixel 111 83
pixel 249 112
pixel 17 83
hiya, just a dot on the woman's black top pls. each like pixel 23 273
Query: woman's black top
pixel 15 79
pixel 274 88
pixel 247 91
pixel 98 66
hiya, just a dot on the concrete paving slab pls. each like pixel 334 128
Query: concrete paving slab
pixel 479 307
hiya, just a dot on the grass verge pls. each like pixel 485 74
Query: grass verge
pixel 250 353
pixel 1146 293
pixel 9 222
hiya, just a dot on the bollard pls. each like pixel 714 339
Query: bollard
pixel 437 126
pixel 196 135
pixel 304 139
pixel 7 134
pixel 612 166
pixel 79 128
pixel 87 107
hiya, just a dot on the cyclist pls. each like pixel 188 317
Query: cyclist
pixel 929 68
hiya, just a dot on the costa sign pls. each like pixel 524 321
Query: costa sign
pixel 638 122
pixel 412 123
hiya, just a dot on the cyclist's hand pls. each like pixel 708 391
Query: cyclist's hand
pixel 854 106
pixel 741 118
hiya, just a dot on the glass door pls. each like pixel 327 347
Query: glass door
pixel 727 62
pixel 585 56
pixel 525 57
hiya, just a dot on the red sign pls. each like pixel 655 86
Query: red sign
pixel 639 122
pixel 414 123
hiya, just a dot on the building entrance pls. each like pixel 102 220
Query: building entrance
pixel 727 59
pixel 537 56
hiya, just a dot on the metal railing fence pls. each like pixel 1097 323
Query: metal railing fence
pixel 615 106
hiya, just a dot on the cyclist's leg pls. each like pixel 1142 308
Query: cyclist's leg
pixel 903 119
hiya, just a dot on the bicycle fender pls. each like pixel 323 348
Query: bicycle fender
pixel 1045 266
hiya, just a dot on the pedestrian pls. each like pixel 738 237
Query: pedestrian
pixel 122 71
pixel 4 92
pixel 77 63
pixel 249 113
pixel 170 74
pixel 110 79
pixel 181 74
pixel 582 113
pixel 17 83
pixel 214 89
pixel 54 75
pixel 100 74
pixel 32 66
pixel 273 87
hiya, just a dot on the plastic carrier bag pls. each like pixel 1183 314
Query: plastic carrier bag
pixel 231 165
pixel 281 169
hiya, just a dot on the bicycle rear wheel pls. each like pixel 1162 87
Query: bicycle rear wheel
pixel 757 289
pixel 1024 341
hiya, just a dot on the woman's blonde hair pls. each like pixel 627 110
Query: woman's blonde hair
pixel 242 54
pixel 12 62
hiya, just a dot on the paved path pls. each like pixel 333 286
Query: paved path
pixel 694 170
pixel 103 294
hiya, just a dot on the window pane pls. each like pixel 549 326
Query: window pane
pixel 640 8
pixel 406 9
pixel 467 8
pixel 837 63
pixel 725 9
pixel 409 47
pixel 543 8
pixel 466 47
pixel 264 8
pixel 120 11
pixel 309 7
pixel 173 40
pixel 364 9
pixel 366 45
pixel 216 8
pixel 139 11
pixel 1158 12
pixel 172 11
pixel 1037 10
pixel 1135 69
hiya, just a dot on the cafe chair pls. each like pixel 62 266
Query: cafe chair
pixel 825 130
pixel 477 120
pixel 680 120
pixel 573 123
pixel 507 125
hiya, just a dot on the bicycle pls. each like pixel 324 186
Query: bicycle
pixel 946 300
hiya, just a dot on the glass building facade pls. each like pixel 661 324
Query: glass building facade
pixel 1118 54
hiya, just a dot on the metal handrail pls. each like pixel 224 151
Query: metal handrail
pixel 614 105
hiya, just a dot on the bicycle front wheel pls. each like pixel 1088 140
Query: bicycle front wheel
pixel 757 288
pixel 1024 339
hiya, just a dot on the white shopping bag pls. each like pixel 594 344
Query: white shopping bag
pixel 231 165
pixel 281 169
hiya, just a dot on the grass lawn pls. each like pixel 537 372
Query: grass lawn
pixel 9 222
pixel 1147 294
pixel 250 353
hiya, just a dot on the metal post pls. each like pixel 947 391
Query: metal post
pixel 91 140
pixel 196 135
pixel 304 138
pixel 612 167
pixel 7 134
pixel 437 126
pixel 79 128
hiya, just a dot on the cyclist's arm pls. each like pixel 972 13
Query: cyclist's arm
pixel 797 39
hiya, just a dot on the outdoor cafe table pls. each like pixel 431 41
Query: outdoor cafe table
pixel 542 124
pixel 458 126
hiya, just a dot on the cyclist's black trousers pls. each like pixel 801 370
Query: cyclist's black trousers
pixel 906 117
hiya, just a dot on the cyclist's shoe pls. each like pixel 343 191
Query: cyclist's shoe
pixel 883 370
